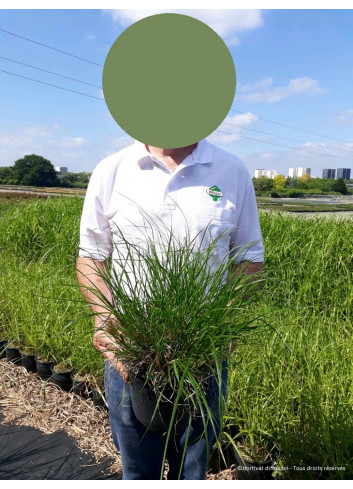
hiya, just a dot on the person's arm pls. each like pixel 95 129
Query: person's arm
pixel 95 248
pixel 88 277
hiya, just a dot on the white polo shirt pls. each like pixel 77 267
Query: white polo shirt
pixel 210 190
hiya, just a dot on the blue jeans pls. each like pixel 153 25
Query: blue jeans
pixel 142 451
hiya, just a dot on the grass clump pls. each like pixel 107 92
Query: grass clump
pixel 292 395
pixel 173 307
pixel 42 229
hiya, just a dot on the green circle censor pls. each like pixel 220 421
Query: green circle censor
pixel 169 80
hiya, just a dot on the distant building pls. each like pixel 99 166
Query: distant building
pixel 328 173
pixel 61 169
pixel 298 172
pixel 266 173
pixel 272 173
pixel 344 173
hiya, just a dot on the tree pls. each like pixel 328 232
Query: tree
pixel 304 181
pixel 339 186
pixel 279 181
pixel 6 175
pixel 35 170
pixel 305 178
pixel 291 182
pixel 316 183
pixel 262 183
pixel 78 180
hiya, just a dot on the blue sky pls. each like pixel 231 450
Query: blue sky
pixel 294 67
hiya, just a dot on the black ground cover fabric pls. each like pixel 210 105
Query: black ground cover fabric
pixel 28 454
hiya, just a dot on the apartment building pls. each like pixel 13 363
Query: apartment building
pixel 328 173
pixel 299 172
pixel 344 173
pixel 266 173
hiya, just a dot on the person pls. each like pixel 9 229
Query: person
pixel 205 187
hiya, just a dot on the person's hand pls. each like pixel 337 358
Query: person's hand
pixel 105 343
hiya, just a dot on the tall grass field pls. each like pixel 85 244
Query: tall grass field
pixel 290 390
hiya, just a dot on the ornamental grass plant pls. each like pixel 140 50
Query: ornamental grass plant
pixel 176 312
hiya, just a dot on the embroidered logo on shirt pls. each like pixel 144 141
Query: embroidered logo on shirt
pixel 214 192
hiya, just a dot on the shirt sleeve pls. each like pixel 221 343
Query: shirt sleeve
pixel 246 242
pixel 95 231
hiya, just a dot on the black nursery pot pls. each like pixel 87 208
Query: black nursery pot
pixel 29 362
pixel 81 388
pixel 13 355
pixel 44 369
pixel 252 470
pixel 62 379
pixel 98 400
pixel 144 401
pixel 3 344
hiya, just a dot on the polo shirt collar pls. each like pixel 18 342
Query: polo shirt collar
pixel 201 154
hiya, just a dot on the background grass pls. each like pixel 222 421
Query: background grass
pixel 290 387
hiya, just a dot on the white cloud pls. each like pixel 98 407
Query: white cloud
pixel 56 143
pixel 47 141
pixel 264 91
pixel 122 142
pixel 35 131
pixel 90 37
pixel 260 85
pixel 25 136
pixel 70 141
pixel 14 140
pixel 266 156
pixel 345 118
pixel 227 23
pixel 311 145
pixel 228 131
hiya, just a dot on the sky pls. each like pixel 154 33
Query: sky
pixel 293 105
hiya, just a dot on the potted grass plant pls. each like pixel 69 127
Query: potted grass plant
pixel 13 355
pixel 62 375
pixel 176 311
pixel 44 365
pixel 3 344
pixel 29 359
pixel 81 383
pixel 97 393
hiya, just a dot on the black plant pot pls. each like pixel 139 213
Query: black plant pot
pixel 44 369
pixel 13 355
pixel 98 400
pixel 81 388
pixel 221 458
pixel 252 470
pixel 144 401
pixel 29 362
pixel 3 344
pixel 62 379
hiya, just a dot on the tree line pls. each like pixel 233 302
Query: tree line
pixel 34 170
pixel 280 182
